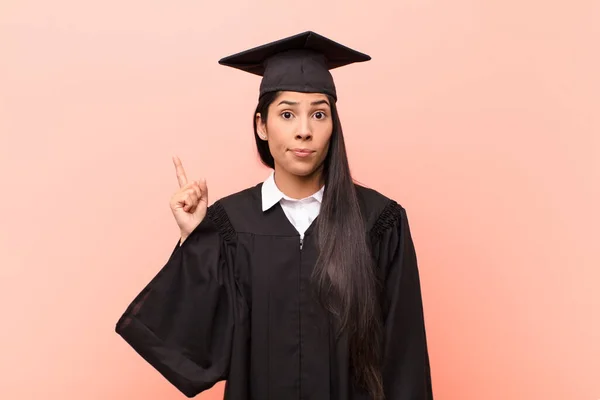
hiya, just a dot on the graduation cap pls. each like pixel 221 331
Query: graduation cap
pixel 298 63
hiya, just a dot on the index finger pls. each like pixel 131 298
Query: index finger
pixel 181 178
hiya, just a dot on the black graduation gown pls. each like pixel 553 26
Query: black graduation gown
pixel 234 303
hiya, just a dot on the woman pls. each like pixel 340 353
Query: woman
pixel 302 287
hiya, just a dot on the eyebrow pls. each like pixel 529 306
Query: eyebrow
pixel 294 103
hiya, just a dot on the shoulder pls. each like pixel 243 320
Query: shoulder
pixel 241 201
pixel 380 212
pixel 376 205
pixel 228 211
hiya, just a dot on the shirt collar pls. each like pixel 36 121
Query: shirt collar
pixel 271 194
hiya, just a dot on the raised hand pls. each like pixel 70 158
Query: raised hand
pixel 189 203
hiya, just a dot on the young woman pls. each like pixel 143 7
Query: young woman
pixel 304 286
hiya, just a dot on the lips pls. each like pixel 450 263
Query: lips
pixel 302 152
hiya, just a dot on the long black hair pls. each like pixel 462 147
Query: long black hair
pixel 344 275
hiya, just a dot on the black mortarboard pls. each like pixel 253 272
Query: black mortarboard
pixel 298 63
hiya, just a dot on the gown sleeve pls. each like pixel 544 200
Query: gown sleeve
pixel 183 322
pixel 406 368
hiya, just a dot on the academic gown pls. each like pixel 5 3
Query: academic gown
pixel 235 303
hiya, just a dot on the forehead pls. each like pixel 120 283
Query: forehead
pixel 299 97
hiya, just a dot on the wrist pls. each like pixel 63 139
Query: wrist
pixel 183 238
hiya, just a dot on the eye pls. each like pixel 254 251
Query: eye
pixel 320 115
pixel 286 115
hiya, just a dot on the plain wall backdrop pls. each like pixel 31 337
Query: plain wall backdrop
pixel 480 117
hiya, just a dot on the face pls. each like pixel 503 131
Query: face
pixel 298 130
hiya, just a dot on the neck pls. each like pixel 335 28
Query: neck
pixel 298 187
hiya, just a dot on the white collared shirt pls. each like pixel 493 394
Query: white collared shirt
pixel 300 212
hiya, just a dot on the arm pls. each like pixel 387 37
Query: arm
pixel 406 369
pixel 182 323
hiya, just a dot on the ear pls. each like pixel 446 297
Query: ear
pixel 261 127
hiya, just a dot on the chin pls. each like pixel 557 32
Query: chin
pixel 302 170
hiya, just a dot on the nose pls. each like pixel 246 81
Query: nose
pixel 304 130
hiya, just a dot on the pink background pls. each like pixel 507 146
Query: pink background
pixel 480 117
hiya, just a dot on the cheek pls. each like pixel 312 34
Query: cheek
pixel 276 143
pixel 325 138
pixel 277 137
pixel 276 147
